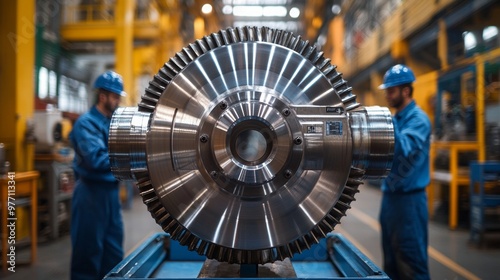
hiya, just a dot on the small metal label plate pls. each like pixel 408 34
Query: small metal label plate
pixel 333 128
pixel 314 129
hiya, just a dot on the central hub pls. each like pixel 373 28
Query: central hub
pixel 250 146
pixel 251 141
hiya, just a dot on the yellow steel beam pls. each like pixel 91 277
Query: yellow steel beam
pixel 17 60
pixel 89 32
pixel 170 40
pixel 144 60
pixel 336 33
pixel 124 45
pixel 146 31
pixel 83 32
pixel 199 28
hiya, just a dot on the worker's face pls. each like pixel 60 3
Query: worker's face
pixel 111 102
pixel 394 97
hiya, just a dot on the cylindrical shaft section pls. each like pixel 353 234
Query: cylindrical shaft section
pixel 127 138
pixel 373 140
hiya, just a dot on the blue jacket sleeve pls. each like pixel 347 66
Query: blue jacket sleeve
pixel 413 137
pixel 410 168
pixel 90 146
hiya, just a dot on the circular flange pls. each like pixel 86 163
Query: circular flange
pixel 242 170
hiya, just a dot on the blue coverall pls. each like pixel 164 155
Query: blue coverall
pixel 96 223
pixel 403 214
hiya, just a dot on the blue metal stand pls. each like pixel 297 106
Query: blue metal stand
pixel 249 270
pixel 159 258
pixel 481 200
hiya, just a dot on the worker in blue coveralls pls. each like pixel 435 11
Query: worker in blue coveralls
pixel 403 213
pixel 96 223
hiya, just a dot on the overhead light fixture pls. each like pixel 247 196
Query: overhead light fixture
pixel 336 9
pixel 490 32
pixel 292 26
pixel 255 2
pixel 247 11
pixel 294 12
pixel 206 9
pixel 470 40
pixel 274 11
pixel 259 11
pixel 227 9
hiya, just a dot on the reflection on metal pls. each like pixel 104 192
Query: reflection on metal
pixel 248 146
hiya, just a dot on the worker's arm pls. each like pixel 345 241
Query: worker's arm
pixel 410 168
pixel 89 144
pixel 413 139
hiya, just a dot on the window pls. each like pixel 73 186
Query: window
pixel 43 83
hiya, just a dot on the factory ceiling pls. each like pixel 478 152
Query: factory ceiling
pixel 307 18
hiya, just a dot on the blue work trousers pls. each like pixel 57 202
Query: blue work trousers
pixel 96 230
pixel 404 223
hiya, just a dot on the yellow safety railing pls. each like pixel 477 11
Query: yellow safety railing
pixel 456 176
pixel 89 13
pixel 105 13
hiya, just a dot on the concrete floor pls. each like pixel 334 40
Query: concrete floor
pixel 54 256
pixel 450 254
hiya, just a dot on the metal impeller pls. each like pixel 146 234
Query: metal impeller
pixel 248 146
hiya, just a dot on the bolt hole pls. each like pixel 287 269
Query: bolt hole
pixel 297 140
pixel 204 138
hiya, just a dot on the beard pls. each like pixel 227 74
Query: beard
pixel 397 101
pixel 110 107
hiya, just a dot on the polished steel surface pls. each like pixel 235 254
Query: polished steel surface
pixel 242 145
pixel 127 135
pixel 373 140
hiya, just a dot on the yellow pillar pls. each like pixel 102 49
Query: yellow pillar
pixel 124 45
pixel 480 99
pixel 199 28
pixel 400 49
pixel 170 40
pixel 17 60
pixel 162 52
pixel 144 64
pixel 443 44
pixel 336 32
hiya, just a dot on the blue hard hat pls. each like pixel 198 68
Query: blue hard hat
pixel 110 81
pixel 399 74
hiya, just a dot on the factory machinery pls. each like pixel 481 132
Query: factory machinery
pixel 248 147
